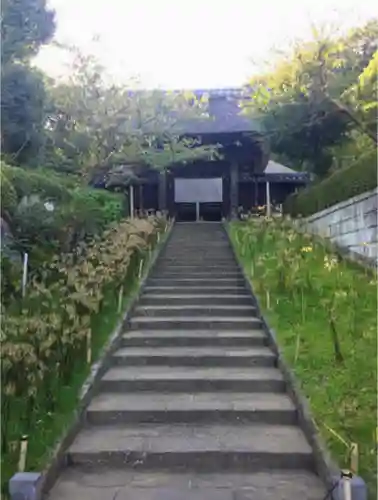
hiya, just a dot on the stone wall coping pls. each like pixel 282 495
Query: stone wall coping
pixel 342 205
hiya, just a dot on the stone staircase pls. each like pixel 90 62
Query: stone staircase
pixel 193 406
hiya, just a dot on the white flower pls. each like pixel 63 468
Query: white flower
pixel 49 206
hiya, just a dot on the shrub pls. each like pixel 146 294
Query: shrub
pixel 8 194
pixel 345 183
pixel 29 182
pixel 111 204
pixel 49 336
pixel 36 230
pixel 77 212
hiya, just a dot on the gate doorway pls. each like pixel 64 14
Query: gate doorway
pixel 198 199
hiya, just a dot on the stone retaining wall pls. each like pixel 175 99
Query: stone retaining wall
pixel 351 224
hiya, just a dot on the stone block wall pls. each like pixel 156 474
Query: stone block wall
pixel 351 224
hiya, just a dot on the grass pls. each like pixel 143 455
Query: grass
pixel 49 427
pixel 310 291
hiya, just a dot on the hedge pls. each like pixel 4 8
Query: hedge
pixel 355 179
pixel 18 182
pixel 29 182
pixel 8 194
pixel 79 212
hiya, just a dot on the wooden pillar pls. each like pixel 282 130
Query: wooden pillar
pixel 256 185
pixel 234 190
pixel 141 207
pixel 268 205
pixel 131 196
pixel 163 190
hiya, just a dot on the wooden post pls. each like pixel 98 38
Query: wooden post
pixel 197 211
pixel 141 204
pixel 268 207
pixel 234 187
pixel 23 453
pixel 120 299
pixel 25 274
pixel 89 346
pixel 256 185
pixel 162 190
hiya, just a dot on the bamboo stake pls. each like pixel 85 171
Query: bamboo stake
pixel 354 458
pixel 347 488
pixel 297 348
pixel 303 306
pixel 140 268
pixel 267 299
pixel 120 297
pixel 25 274
pixel 89 346
pixel 23 453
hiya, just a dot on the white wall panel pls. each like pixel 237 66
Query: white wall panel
pixel 198 190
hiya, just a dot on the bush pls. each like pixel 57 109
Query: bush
pixel 345 183
pixel 29 182
pixel 110 204
pixel 50 335
pixel 77 213
pixel 8 194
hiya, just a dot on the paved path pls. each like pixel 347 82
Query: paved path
pixel 193 407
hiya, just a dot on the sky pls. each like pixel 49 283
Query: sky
pixel 180 44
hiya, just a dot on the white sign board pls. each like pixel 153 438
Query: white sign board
pixel 198 190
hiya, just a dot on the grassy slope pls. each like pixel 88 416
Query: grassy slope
pixel 343 396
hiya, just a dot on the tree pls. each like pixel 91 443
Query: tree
pixel 22 111
pixel 361 98
pixel 301 99
pixel 25 26
pixel 99 124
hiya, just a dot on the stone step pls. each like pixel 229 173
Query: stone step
pixel 198 258
pixel 101 483
pixel 194 356
pixel 192 300
pixel 190 290
pixel 200 448
pixel 198 282
pixel 206 246
pixel 193 323
pixel 178 311
pixel 194 338
pixel 197 262
pixel 162 264
pixel 198 254
pixel 184 251
pixel 204 274
pixel 226 407
pixel 191 379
